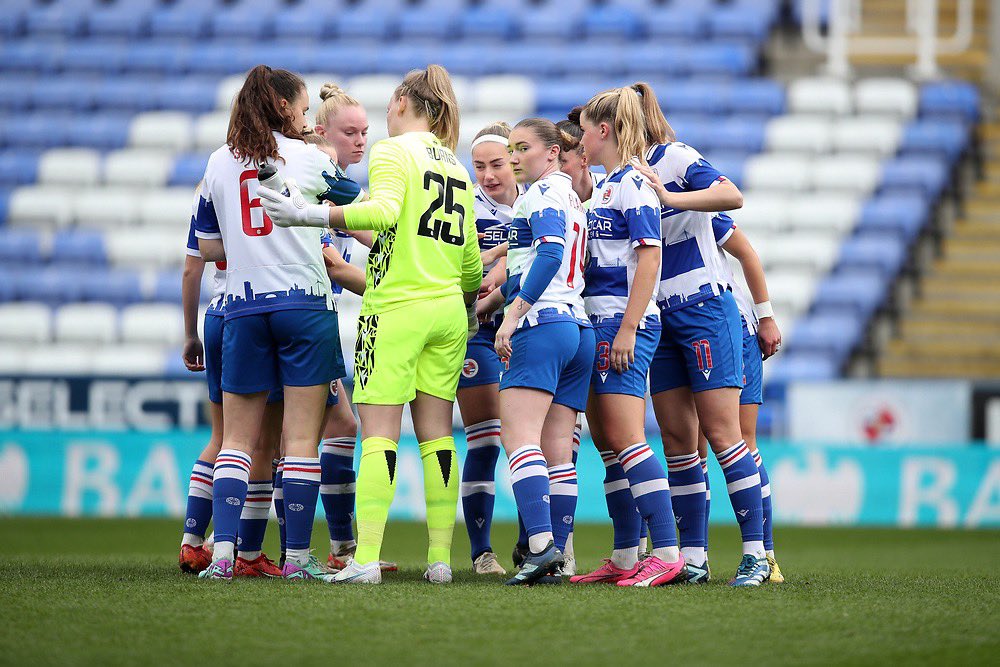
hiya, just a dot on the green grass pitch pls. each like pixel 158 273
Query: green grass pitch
pixel 109 592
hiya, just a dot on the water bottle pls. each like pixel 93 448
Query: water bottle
pixel 269 177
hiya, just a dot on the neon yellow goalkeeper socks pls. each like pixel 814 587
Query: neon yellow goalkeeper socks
pixel 376 485
pixel 441 484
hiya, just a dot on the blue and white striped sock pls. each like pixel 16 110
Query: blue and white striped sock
pixel 708 501
pixel 231 476
pixel 687 492
pixel 743 486
pixel 278 496
pixel 529 477
pixel 300 482
pixel 563 492
pixel 479 482
pixel 253 519
pixel 648 483
pixel 765 502
pixel 625 520
pixel 337 487
pixel 199 504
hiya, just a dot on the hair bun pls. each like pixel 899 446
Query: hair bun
pixel 328 90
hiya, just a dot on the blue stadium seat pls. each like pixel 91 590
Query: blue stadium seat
pixel 12 24
pixel 303 22
pixel 722 58
pixel 106 130
pixel 4 201
pixel 346 58
pixel 297 57
pixel 190 21
pixel 22 246
pixel 119 20
pixel 79 247
pixel 535 60
pixel 67 92
pixel 675 22
pixel 929 174
pixel 761 96
pixel 886 254
pixel 188 169
pixel 52 285
pixel 543 23
pixel 43 130
pixel 167 56
pixel 701 97
pixel 468 59
pixel 741 22
pixel 54 22
pixel 900 215
pixel 18 167
pixel 366 23
pixel 935 137
pixel 730 164
pixel 107 58
pixel 834 334
pixel 605 61
pixel 247 21
pixel 14 92
pixel 224 57
pixel 193 94
pixel 560 96
pixel 168 287
pixel 487 23
pixel 797 367
pixel 659 59
pixel 116 286
pixel 950 98
pixel 32 55
pixel 427 23
pixel 857 290
pixel 737 134
pixel 606 22
pixel 133 93
pixel 7 291
pixel 401 57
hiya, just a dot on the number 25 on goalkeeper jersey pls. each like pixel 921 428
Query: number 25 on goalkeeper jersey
pixel 421 208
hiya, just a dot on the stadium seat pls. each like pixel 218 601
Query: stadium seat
pixel 169 56
pixel 722 58
pixel 169 208
pixel 373 91
pixel 867 134
pixel 694 97
pixel 97 56
pixel 887 254
pixel 146 248
pixel 15 92
pixel 824 213
pixel 170 130
pixel 819 96
pixel 849 173
pixel 180 21
pixel 515 95
pixel 366 23
pixel 487 22
pixel 797 367
pixel 730 164
pixel 560 96
pixel 188 169
pixel 928 174
pixel 763 213
pixel 115 286
pixel 130 360
pixel 609 22
pixel 935 137
pixel 86 323
pixel 807 252
pixel 673 22
pixel 167 287
pixel 740 22
pixel 58 360
pixel 191 94
pixel 241 21
pixel 119 20
pixel 52 285
pixel 210 130
pixel 834 334
pixel 900 215
pixel 130 92
pixel 39 206
pixel 152 323
pixel 886 95
pixel 79 167
pixel 19 166
pixel 54 22
pixel 106 208
pixel 737 134
pixel 472 123
pixel 20 246
pixel 808 134
pixel 105 130
pixel 778 172
pixel 550 23
pixel 791 290
pixel 79 248
pixel 40 130
pixel 861 291
pixel 950 98
pixel 759 96
pixel 435 23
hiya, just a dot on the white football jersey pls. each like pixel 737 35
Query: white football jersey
pixel 493 220
pixel 692 269
pixel 723 227
pixel 550 211
pixel 218 277
pixel 269 268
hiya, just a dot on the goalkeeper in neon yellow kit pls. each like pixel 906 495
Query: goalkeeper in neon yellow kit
pixel 418 309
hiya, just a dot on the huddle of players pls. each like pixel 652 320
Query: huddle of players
pixel 592 290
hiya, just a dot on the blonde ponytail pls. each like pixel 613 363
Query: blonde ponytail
pixel 621 108
pixel 433 96
pixel 658 130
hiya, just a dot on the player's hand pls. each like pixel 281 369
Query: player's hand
pixel 292 210
pixel 472 315
pixel 623 350
pixel 332 257
pixel 654 179
pixel 194 355
pixel 768 337
pixel 504 333
pixel 494 279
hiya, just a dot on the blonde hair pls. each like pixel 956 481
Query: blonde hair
pixel 621 108
pixel 499 128
pixel 433 96
pixel 658 130
pixel 334 99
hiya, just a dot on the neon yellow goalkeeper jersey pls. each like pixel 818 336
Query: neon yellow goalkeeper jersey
pixel 421 208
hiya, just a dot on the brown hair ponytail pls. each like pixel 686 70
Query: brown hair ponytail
pixel 257 111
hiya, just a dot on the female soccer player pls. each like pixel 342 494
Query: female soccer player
pixel 697 372
pixel 548 343
pixel 195 555
pixel 495 194
pixel 418 310
pixel 281 329
pixel 621 277
pixel 575 162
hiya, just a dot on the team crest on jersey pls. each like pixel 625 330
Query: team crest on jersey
pixel 606 195
pixel 470 368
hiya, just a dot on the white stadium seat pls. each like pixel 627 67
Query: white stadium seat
pixel 373 91
pixel 70 166
pixel 210 130
pixel 886 95
pixel 25 322
pixel 469 127
pixel 129 360
pixel 314 82
pixel 762 213
pixel 791 291
pixel 781 172
pixel 86 323
pixel 41 205
pixel 11 359
pixel 59 359
pixel 799 134
pixel 227 89
pixel 829 97
pixel 847 173
pixel 808 252
pixel 145 248
pixel 867 134
pixel 138 167
pixel 161 129
pixel 506 95
pixel 109 207
pixel 169 207
pixel 824 213
pixel 152 323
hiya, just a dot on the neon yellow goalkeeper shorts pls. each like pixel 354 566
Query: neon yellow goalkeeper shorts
pixel 417 347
